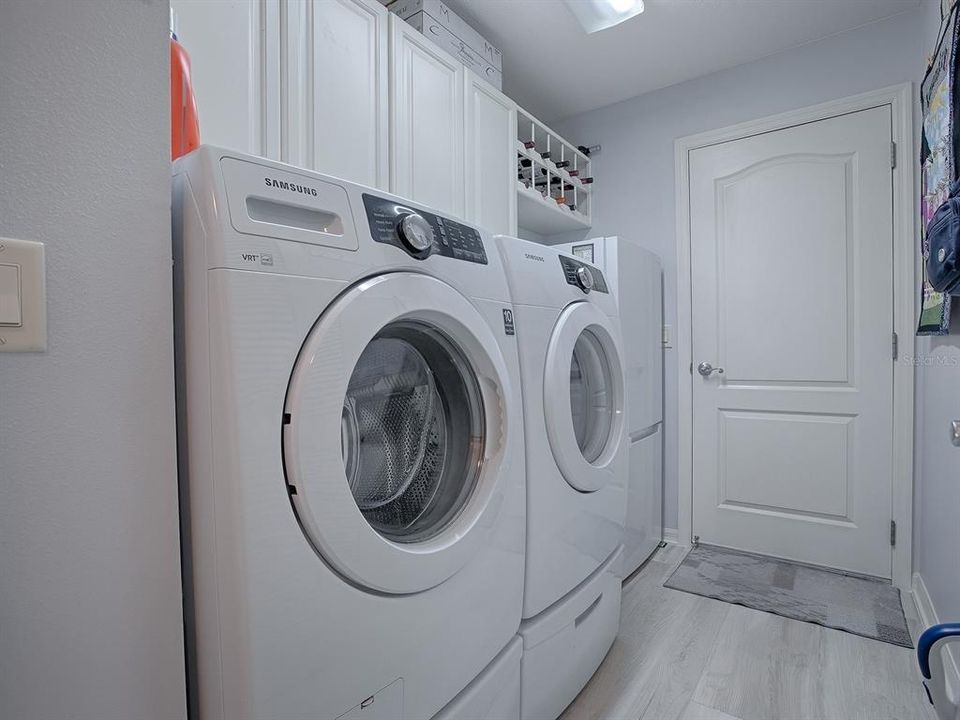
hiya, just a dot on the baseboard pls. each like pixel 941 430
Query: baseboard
pixel 928 616
pixel 671 536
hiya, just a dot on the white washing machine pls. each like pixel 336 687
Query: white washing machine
pixel 352 462
pixel 573 393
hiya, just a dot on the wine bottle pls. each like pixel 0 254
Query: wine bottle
pixel 529 144
pixel 573 173
pixel 553 181
pixel 563 163
pixel 587 180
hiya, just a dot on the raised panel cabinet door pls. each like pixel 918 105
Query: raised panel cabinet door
pixel 335 93
pixel 234 65
pixel 490 118
pixel 792 296
pixel 426 121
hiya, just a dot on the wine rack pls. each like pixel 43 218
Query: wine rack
pixel 554 180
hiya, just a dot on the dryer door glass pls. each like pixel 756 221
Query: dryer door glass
pixel 591 395
pixel 412 431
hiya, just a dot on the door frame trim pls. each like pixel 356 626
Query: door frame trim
pixel 905 282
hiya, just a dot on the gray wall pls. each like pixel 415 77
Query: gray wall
pixel 936 531
pixel 90 608
pixel 635 170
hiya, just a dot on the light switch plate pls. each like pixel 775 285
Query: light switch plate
pixel 30 335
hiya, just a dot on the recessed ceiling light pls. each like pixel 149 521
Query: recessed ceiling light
pixel 597 15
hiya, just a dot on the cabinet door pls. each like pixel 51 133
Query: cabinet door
pixel 334 109
pixel 426 121
pixel 234 68
pixel 491 120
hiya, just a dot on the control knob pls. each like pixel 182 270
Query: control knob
pixel 416 233
pixel 584 278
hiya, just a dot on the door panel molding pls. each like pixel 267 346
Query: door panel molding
pixel 905 277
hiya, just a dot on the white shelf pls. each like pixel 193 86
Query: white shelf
pixel 545 217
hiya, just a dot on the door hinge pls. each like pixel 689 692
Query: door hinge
pixel 895 346
pixel 893 533
pixel 893 155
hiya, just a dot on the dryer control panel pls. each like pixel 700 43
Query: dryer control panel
pixel 586 277
pixel 421 233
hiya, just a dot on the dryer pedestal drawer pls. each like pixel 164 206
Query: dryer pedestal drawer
pixel 564 645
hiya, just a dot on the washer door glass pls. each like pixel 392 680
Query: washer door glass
pixel 397 433
pixel 412 432
pixel 591 395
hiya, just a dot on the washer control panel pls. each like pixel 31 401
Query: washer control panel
pixel 420 233
pixel 586 277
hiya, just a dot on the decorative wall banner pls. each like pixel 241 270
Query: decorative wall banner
pixel 938 153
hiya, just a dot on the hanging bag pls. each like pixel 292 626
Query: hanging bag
pixel 943 244
pixel 940 152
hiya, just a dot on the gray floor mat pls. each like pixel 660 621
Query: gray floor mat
pixel 859 605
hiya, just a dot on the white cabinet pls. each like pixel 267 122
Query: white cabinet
pixel 234 57
pixel 489 157
pixel 426 121
pixel 345 88
pixel 334 88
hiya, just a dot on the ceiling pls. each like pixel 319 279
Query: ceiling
pixel 553 69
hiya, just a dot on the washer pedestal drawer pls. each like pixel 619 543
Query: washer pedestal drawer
pixel 494 694
pixel 564 645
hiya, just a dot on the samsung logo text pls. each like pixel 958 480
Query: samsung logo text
pixel 283 185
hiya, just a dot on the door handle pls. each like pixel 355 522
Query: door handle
pixel 706 369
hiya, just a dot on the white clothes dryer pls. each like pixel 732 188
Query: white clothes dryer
pixel 575 435
pixel 352 461
pixel 573 397
pixel 635 277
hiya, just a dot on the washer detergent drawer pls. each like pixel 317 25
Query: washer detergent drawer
pixel 287 205
pixel 494 694
pixel 564 645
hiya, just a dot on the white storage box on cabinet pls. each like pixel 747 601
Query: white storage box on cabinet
pixel 334 115
pixel 426 120
pixel 449 42
pixel 564 645
pixel 490 121
pixel 456 25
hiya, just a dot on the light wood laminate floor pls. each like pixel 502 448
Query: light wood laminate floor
pixel 684 657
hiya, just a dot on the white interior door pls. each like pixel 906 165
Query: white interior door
pixel 792 297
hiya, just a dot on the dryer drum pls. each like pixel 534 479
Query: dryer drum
pixel 411 432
